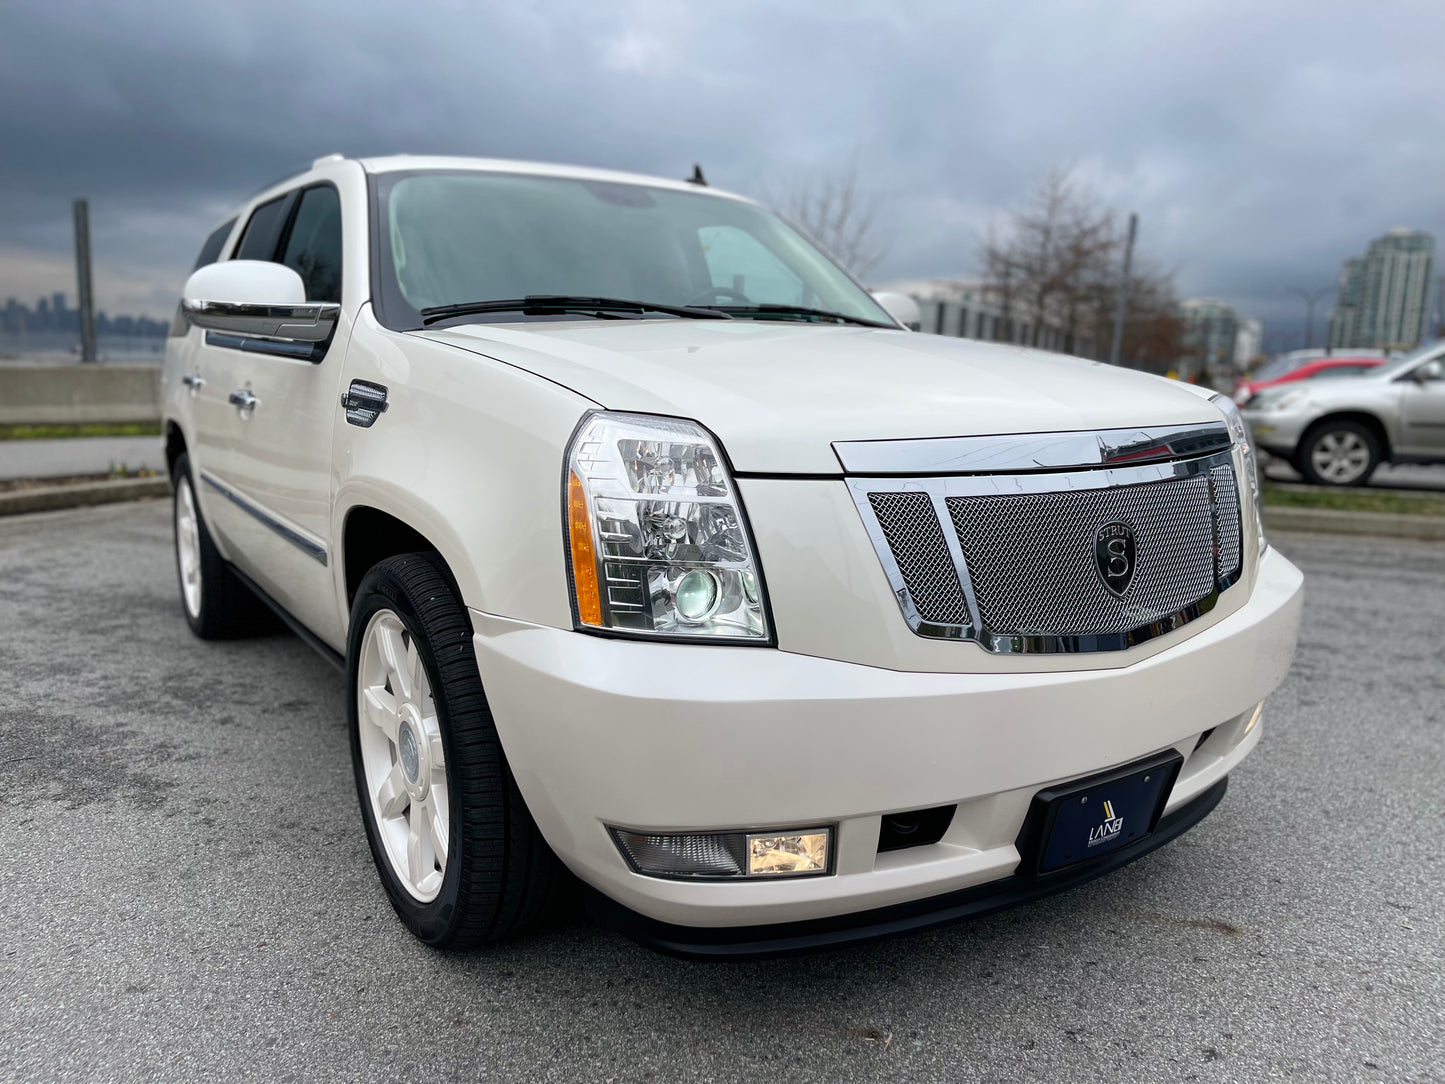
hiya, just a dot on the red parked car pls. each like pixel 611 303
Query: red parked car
pixel 1323 368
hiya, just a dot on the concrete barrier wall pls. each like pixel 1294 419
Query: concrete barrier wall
pixel 75 394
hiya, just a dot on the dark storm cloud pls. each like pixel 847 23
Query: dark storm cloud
pixel 1260 147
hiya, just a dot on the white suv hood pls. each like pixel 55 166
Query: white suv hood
pixel 778 395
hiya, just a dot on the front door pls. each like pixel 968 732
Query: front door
pixel 281 468
pixel 215 370
pixel 1422 410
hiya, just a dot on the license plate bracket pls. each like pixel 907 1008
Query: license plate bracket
pixel 1083 819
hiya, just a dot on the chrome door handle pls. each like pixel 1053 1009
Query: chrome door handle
pixel 243 400
pixel 194 381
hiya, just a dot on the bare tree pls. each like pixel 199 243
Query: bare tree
pixel 1055 266
pixel 840 217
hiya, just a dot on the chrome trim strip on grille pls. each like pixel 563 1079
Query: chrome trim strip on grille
pixel 939 490
pixel 1015 452
pixel 314 550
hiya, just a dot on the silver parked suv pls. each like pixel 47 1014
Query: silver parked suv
pixel 1337 432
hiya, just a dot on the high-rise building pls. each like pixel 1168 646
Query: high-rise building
pixel 1384 298
pixel 1210 327
pixel 1248 342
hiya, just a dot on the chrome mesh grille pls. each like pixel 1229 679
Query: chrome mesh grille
pixel 1004 547
pixel 1226 498
pixel 1031 557
pixel 916 539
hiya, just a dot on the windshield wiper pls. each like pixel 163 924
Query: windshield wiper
pixel 798 311
pixel 552 303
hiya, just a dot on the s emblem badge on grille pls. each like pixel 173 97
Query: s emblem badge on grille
pixel 1114 552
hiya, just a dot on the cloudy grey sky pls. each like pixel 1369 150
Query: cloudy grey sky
pixel 1261 143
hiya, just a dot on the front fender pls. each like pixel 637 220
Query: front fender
pixel 468 453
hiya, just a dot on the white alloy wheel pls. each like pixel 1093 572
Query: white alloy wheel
pixel 402 756
pixel 188 546
pixel 1341 455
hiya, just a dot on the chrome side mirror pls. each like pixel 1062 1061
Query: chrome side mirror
pixel 257 298
pixel 902 308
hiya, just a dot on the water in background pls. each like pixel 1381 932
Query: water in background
pixel 59 345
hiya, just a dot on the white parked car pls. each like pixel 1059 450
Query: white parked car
pixel 654 548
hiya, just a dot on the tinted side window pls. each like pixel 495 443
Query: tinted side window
pixel 313 250
pixel 211 250
pixel 263 231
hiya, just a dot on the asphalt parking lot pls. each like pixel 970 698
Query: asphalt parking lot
pixel 186 894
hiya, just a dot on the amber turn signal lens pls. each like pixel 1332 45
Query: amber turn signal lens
pixel 584 557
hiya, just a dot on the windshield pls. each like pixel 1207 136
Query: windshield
pixel 449 238
pixel 1413 358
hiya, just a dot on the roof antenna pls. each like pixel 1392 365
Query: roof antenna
pixel 697 177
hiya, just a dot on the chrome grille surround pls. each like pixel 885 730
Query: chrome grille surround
pixel 1009 534
pixel 920 551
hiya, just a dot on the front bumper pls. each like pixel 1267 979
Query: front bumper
pixel 672 737
pixel 788 938
pixel 1278 432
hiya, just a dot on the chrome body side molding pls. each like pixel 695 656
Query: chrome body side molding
pixel 309 546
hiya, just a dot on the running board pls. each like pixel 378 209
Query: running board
pixel 325 650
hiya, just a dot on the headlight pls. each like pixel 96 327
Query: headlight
pixel 1239 433
pixel 657 538
pixel 1271 403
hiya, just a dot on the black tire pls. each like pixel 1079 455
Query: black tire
pixel 227 608
pixel 1316 441
pixel 500 876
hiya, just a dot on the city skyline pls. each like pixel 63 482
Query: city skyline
pixel 52 315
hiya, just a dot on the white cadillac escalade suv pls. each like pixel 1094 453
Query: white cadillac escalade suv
pixel 653 547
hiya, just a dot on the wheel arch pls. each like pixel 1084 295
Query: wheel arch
pixel 175 446
pixel 375 526
pixel 1366 418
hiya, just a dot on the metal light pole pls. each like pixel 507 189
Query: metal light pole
pixel 1310 301
pixel 86 312
pixel 1118 343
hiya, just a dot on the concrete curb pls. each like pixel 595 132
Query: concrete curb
pixel 1313 520
pixel 49 498
pixel 1379 524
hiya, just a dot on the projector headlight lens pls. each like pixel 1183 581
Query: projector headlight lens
pixel 697 595
pixel 656 534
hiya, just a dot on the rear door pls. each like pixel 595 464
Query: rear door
pixel 281 466
pixel 210 424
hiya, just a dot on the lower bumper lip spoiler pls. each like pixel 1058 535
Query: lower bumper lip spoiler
pixel 793 938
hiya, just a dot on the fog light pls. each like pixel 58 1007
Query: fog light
pixel 725 854
pixel 769 856
pixel 1253 719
